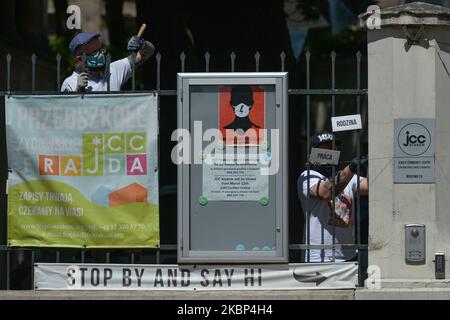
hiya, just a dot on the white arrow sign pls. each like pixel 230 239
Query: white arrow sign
pixel 344 123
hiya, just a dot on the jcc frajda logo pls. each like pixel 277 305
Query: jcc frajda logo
pixel 103 154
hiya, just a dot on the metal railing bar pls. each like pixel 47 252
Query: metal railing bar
pixel 328 91
pixel 33 258
pixel 326 246
pixel 358 172
pixel 169 92
pixel 333 146
pixel 8 269
pixel 63 93
pixel 168 247
pixel 162 247
pixel 308 147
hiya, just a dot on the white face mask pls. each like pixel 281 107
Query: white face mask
pixel 241 110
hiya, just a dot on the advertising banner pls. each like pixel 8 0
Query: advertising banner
pixel 52 276
pixel 83 171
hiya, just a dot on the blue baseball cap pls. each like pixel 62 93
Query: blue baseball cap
pixel 81 39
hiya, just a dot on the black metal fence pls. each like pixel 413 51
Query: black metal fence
pixel 16 271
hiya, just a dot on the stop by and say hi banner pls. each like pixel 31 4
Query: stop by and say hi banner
pixel 83 171
pixel 57 276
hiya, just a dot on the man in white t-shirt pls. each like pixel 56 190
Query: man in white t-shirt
pixel 90 74
pixel 319 204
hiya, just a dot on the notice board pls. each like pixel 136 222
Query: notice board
pixel 232 179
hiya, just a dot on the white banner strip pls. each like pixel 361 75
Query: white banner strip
pixel 344 123
pixel 53 276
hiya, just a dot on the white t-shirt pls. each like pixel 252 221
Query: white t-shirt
pixel 120 72
pixel 321 222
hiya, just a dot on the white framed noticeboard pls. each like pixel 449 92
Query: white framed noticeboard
pixel 232 175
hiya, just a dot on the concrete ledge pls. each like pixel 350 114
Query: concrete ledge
pixel 414 283
pixel 179 295
pixel 403 294
pixel 358 294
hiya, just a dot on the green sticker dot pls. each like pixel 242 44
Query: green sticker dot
pixel 264 201
pixel 265 146
pixel 202 200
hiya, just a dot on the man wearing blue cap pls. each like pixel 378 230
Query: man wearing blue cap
pixel 318 203
pixel 90 74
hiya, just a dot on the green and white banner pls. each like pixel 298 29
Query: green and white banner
pixel 83 171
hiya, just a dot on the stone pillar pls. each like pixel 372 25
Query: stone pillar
pixel 408 77
pixel 92 17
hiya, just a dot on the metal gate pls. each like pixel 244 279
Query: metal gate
pixel 314 106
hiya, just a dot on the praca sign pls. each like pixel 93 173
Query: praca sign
pixel 324 156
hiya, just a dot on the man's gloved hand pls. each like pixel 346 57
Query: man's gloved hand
pixel 363 163
pixel 135 44
pixel 82 81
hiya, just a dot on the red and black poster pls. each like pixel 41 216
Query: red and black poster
pixel 241 114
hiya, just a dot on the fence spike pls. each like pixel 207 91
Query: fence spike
pixel 283 58
pixel 183 60
pixel 108 73
pixel 58 72
pixel 8 72
pixel 133 70
pixel 233 60
pixel 207 59
pixel 308 54
pixel 333 54
pixel 257 58
pixel 158 58
pixel 308 79
pixel 33 71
